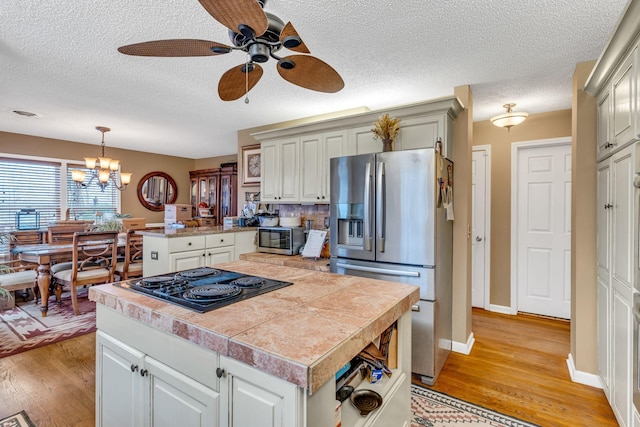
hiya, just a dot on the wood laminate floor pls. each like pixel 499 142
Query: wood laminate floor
pixel 517 366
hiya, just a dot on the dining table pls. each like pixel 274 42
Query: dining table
pixel 45 255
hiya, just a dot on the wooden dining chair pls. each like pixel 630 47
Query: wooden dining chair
pixel 131 266
pixel 18 276
pixel 94 261
pixel 63 234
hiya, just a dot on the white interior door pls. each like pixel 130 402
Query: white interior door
pixel 480 166
pixel 543 229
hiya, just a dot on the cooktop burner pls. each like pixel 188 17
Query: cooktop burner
pixel 211 292
pixel 249 282
pixel 203 289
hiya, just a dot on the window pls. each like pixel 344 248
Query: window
pixel 28 184
pixel 46 186
pixel 84 202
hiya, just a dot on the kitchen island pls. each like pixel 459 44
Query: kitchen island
pixel 174 249
pixel 267 361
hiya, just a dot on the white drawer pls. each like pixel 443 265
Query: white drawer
pixel 221 239
pixel 179 244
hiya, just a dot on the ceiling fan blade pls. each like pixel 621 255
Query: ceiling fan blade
pixel 175 47
pixel 234 83
pixel 310 73
pixel 291 40
pixel 233 13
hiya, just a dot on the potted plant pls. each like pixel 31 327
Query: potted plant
pixel 386 128
pixel 6 299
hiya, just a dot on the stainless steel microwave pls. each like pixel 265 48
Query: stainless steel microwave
pixel 280 240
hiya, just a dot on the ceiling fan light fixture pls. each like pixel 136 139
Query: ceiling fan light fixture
pixel 220 49
pixel 291 42
pixel 287 64
pixel 259 52
pixel 246 31
pixel 510 118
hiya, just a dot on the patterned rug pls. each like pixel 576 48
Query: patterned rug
pixel 433 409
pixel 21 419
pixel 23 328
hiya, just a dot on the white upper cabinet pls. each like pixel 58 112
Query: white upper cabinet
pixel 316 151
pixel 279 163
pixel 361 141
pixel 623 92
pixel 618 105
pixel 604 124
pixel 295 161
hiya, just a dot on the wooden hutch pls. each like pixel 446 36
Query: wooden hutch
pixel 218 188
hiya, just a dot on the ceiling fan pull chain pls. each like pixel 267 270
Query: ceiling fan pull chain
pixel 246 81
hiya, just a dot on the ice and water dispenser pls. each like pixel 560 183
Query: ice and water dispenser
pixel 350 221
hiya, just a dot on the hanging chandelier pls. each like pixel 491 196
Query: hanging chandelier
pixel 103 169
pixel 510 118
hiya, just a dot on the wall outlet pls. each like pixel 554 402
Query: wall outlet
pixel 154 255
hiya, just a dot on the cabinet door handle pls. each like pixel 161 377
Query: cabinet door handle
pixel 219 372
pixel 189 244
pixel 134 367
pixel 221 240
pixel 608 206
pixel 144 373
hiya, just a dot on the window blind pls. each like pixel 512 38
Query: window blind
pixel 28 184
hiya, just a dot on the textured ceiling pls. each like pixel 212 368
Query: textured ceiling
pixel 59 59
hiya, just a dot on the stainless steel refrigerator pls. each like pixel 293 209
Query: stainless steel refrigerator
pixel 388 222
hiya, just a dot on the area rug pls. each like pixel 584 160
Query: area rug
pixel 21 419
pixel 435 409
pixel 23 328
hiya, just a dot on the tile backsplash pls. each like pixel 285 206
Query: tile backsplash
pixel 316 213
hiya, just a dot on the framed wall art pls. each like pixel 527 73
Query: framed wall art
pixel 251 164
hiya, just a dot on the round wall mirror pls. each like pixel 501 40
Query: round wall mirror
pixel 155 189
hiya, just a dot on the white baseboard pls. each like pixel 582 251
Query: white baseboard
pixel 464 348
pixel 582 377
pixel 500 309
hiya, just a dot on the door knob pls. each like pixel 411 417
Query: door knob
pixel 478 239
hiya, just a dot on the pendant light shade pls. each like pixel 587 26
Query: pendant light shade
pixel 510 118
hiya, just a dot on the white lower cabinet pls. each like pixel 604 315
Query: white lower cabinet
pixel 250 398
pixel 165 255
pixel 621 341
pixel 615 280
pixel 145 377
pixel 177 400
pixel 133 389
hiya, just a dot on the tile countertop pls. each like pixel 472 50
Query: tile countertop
pixel 303 333
pixel 193 231
pixel 321 264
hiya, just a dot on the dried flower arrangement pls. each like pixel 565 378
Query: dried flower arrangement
pixel 386 128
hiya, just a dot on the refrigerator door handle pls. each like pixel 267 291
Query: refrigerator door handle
pixel 380 208
pixel 386 271
pixel 367 213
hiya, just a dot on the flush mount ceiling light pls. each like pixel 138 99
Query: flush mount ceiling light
pixel 103 169
pixel 510 118
pixel 24 113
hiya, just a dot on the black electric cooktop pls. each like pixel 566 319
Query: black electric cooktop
pixel 203 289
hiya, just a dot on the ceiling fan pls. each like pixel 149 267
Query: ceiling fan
pixel 258 33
